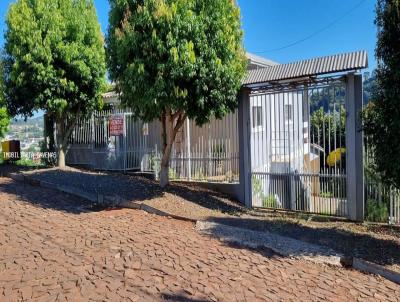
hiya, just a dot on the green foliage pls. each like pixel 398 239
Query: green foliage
pixel 4 121
pixel 54 58
pixel 181 55
pixel 257 188
pixel 326 194
pixel 27 162
pixel 328 98
pixel 269 201
pixel 369 87
pixel 330 125
pixel 4 117
pixel 172 174
pixel 377 211
pixel 381 118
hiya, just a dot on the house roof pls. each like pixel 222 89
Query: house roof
pixel 254 62
pixel 109 95
pixel 308 68
pixel 262 70
pixel 258 61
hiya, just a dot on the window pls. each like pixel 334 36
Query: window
pixel 288 113
pixel 257 116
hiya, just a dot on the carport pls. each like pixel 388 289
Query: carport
pixel 301 142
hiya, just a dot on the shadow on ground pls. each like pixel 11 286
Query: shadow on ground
pixel 134 188
pixel 369 247
pixel 180 298
pixel 47 198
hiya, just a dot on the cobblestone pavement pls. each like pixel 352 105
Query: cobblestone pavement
pixel 53 249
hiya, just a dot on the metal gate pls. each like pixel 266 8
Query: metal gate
pixel 297 148
pixel 92 144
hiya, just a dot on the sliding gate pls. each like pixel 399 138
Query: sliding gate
pixel 298 148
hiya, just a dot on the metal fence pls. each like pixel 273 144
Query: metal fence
pixel 382 202
pixel 298 148
pixel 92 145
pixel 208 153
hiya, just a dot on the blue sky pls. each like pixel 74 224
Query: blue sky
pixel 272 24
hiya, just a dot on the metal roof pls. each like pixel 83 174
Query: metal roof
pixel 308 68
pixel 110 95
pixel 259 61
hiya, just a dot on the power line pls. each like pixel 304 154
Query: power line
pixel 316 32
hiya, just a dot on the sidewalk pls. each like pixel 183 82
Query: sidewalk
pixel 374 243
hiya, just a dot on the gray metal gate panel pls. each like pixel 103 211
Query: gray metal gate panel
pixel 297 149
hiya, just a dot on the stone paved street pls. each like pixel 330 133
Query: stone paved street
pixel 53 249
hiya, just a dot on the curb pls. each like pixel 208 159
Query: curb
pixel 149 209
pixel 118 201
pixel 281 245
pixel 372 268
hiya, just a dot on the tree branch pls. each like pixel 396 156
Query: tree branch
pixel 71 126
pixel 179 122
pixel 177 114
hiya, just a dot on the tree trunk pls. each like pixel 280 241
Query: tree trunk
pixel 61 148
pixel 167 133
pixel 61 157
pixel 64 130
pixel 171 123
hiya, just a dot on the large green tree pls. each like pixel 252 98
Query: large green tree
pixel 382 116
pixel 54 61
pixel 4 117
pixel 174 59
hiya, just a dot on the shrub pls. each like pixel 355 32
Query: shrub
pixel 377 211
pixel 269 201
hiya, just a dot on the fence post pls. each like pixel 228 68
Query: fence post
pixel 244 147
pixel 354 145
pixel 93 139
pixel 189 167
pixel 124 138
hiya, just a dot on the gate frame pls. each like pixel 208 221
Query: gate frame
pixel 354 146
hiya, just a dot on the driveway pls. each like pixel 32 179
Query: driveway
pixel 54 248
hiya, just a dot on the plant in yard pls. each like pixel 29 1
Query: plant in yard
pixel 176 59
pixel 269 201
pixel 330 125
pixel 54 61
pixel 377 211
pixel 172 174
pixel 326 194
pixel 381 118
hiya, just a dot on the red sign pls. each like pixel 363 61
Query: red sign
pixel 116 125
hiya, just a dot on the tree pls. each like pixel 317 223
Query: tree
pixel 368 88
pixel 173 59
pixel 4 117
pixel 382 115
pixel 54 61
pixel 328 130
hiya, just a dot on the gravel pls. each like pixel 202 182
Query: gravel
pixel 179 199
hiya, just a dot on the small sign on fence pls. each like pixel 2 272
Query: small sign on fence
pixel 116 125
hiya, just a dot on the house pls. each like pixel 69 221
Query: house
pixel 203 153
pixel 290 118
